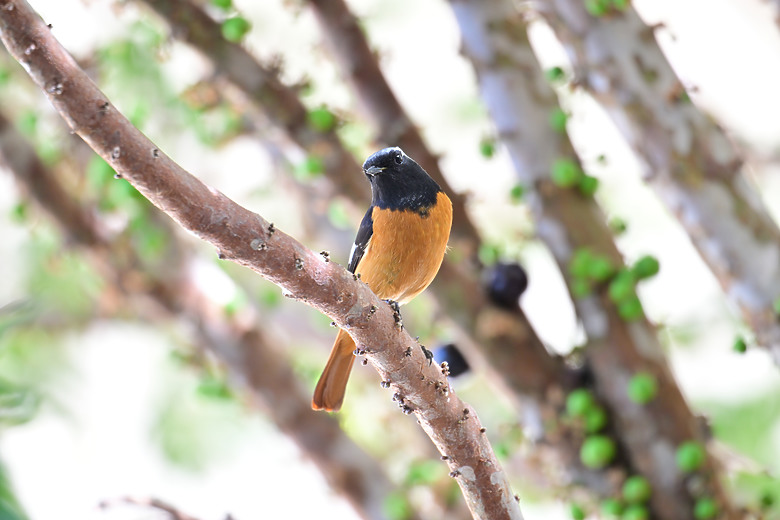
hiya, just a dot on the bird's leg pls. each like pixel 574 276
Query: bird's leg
pixel 396 313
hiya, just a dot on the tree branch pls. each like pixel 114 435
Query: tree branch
pixel 512 350
pixel 249 240
pixel 520 102
pixel 244 349
pixel 689 162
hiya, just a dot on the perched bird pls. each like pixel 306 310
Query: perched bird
pixel 398 250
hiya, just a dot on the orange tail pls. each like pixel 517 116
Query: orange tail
pixel 329 393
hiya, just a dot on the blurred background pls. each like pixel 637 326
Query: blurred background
pixel 120 380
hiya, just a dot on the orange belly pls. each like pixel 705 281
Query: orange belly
pixel 405 261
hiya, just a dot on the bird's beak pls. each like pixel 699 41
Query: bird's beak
pixel 372 170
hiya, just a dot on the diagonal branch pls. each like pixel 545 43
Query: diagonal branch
pixel 245 350
pixel 688 160
pixel 249 240
pixel 520 102
pixel 513 350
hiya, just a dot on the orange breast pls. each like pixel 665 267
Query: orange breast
pixel 406 250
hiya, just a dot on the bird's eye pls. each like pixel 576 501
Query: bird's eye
pixel 398 159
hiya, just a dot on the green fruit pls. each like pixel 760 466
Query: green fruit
pixel 611 508
pixel 740 345
pixel 600 268
pixel 642 388
pixel 597 451
pixel 597 7
pixel 621 288
pixel 580 287
pixel 618 225
pixel 487 147
pixel 645 267
pixel 579 402
pixel 554 74
pixel 565 173
pixel 705 508
pixel 234 29
pixel 558 120
pixel 595 419
pixel 588 185
pixel 690 456
pixel 621 5
pixel 636 489
pixel 311 167
pixel 579 265
pixel 577 512
pixel 321 119
pixel 516 193
pixel 222 4
pixel 630 309
pixel 635 512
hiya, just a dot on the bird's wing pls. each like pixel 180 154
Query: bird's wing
pixel 364 234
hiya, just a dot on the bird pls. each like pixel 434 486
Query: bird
pixel 398 250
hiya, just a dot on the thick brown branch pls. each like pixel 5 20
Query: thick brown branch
pixel 244 350
pixel 520 101
pixel 249 240
pixel 508 346
pixel 280 102
pixel 689 162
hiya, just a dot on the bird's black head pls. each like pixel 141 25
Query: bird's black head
pixel 398 182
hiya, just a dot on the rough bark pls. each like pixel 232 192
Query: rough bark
pixel 512 351
pixel 520 102
pixel 245 350
pixel 249 240
pixel 689 161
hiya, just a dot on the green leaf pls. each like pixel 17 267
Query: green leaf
pixel 597 7
pixel 222 4
pixel 611 507
pixel 558 119
pixel 234 29
pixel 321 119
pixel 310 168
pixel 577 513
pixel 487 147
pixel 424 472
pixel 396 507
pixel 705 508
pixel 555 74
